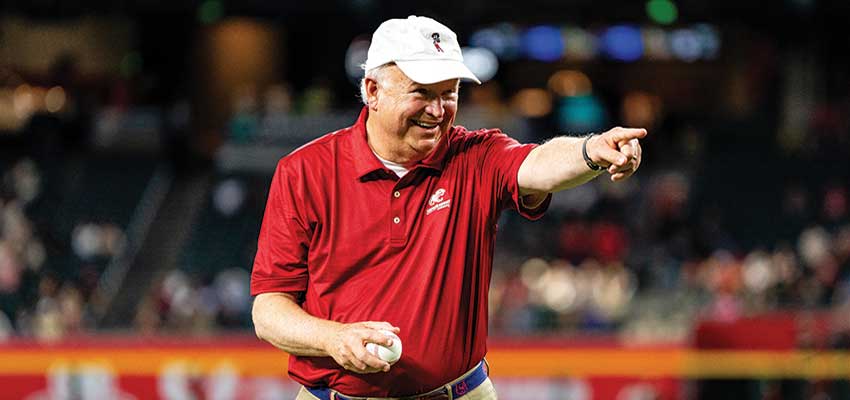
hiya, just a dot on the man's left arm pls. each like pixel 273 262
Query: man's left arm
pixel 559 163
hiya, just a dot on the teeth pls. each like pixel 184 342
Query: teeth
pixel 424 125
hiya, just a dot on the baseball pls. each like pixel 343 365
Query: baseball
pixel 389 354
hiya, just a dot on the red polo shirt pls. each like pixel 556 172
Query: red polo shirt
pixel 361 244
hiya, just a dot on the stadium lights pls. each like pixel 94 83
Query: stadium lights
pixel 482 62
pixel 624 43
pixel 662 11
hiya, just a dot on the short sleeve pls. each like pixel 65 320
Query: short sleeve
pixel 502 158
pixel 281 261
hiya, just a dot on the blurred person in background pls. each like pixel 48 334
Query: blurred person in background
pixel 390 225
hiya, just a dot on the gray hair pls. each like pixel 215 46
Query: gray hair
pixel 376 74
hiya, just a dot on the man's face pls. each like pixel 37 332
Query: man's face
pixel 416 114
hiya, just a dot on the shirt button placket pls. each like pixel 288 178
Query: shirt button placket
pixel 397 230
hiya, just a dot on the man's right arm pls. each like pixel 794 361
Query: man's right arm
pixel 279 320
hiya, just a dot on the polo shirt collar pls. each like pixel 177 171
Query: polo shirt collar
pixel 365 161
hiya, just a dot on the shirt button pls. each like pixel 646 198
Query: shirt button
pixel 396 219
pixel 397 194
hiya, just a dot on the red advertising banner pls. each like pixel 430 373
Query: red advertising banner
pixel 244 368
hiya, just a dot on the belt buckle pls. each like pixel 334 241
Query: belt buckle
pixel 441 395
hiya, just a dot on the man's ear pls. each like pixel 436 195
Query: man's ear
pixel 372 93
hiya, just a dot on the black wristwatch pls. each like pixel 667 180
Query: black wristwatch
pixel 590 164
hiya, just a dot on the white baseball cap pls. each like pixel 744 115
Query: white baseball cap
pixel 425 50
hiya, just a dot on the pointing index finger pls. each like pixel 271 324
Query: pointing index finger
pixel 626 134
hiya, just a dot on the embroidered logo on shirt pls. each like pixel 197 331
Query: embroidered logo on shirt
pixel 438 201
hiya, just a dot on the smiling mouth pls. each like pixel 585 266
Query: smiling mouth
pixel 424 125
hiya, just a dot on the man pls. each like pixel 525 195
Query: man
pixel 390 225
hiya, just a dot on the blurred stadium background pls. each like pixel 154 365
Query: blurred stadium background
pixel 138 138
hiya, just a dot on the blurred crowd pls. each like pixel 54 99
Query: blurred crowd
pixel 47 278
pixel 182 303
pixel 635 275
pixel 33 301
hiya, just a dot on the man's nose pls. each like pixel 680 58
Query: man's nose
pixel 435 108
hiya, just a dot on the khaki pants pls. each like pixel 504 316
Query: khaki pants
pixel 484 391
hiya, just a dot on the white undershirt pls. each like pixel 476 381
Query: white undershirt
pixel 399 169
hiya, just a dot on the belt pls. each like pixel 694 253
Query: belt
pixel 470 381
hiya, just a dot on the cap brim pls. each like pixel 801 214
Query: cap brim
pixel 433 71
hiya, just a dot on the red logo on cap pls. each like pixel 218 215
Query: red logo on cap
pixel 436 37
